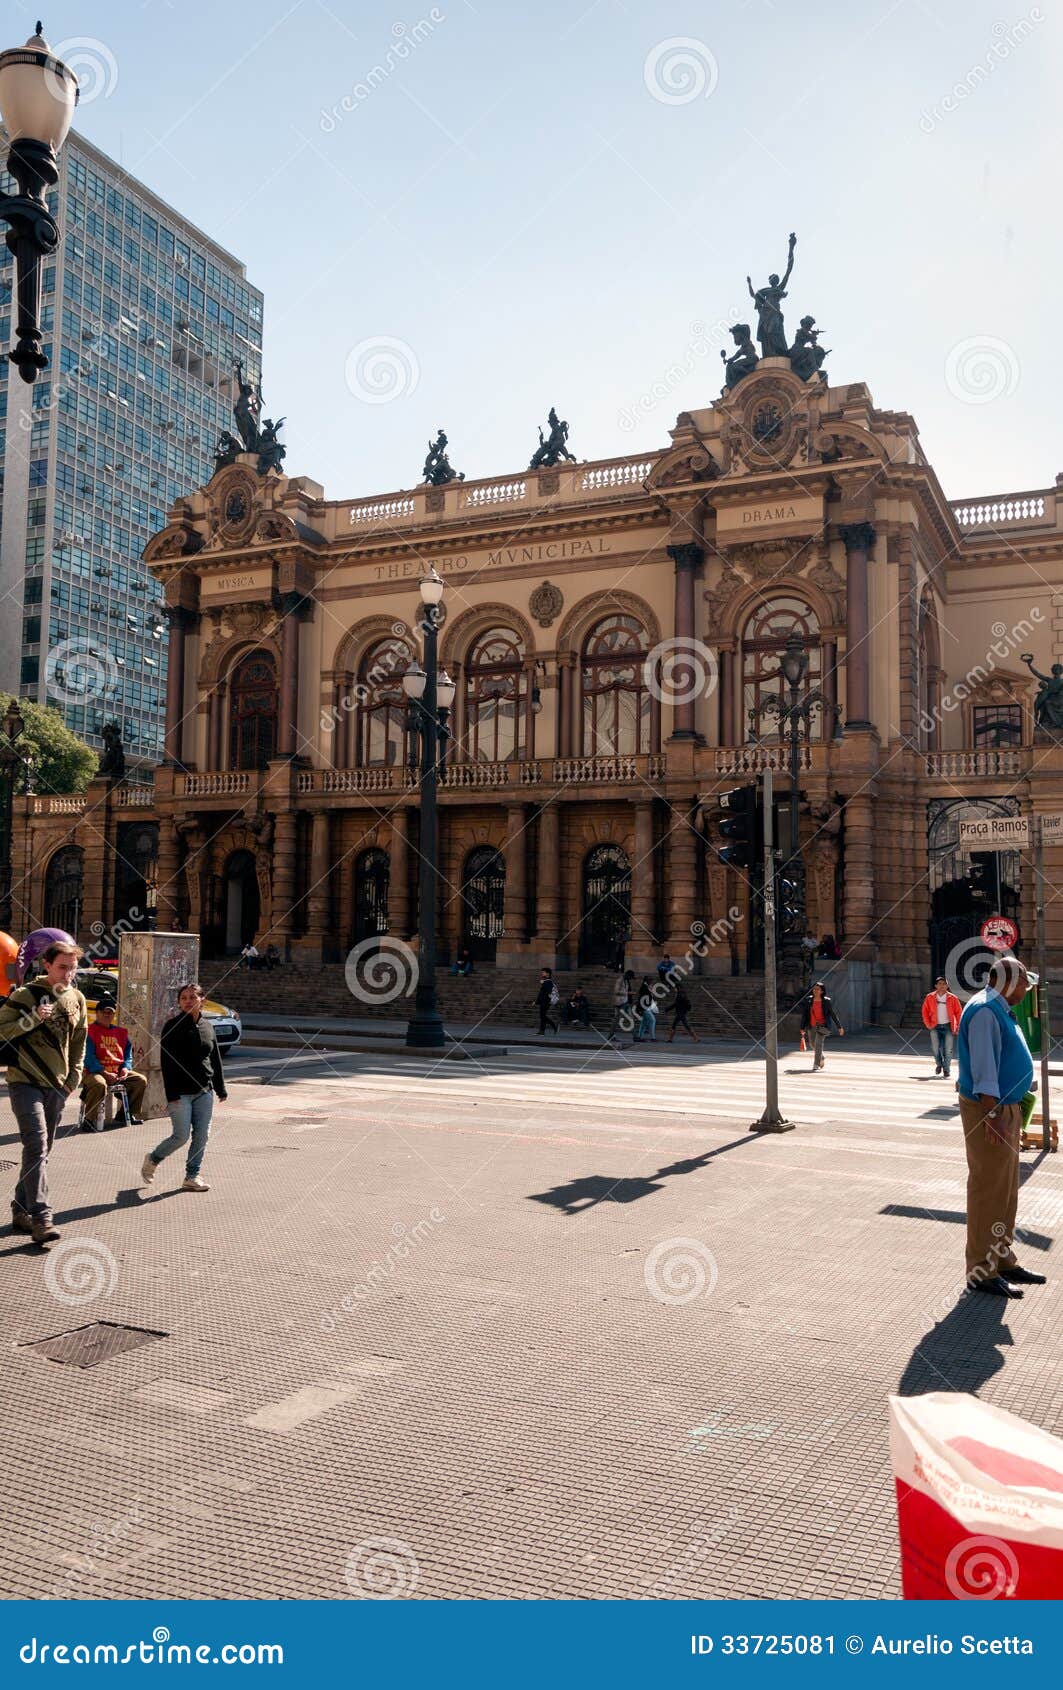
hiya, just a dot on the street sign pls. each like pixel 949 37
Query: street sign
pixel 1052 829
pixel 996 833
pixel 1000 933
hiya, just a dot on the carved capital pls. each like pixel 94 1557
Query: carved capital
pixel 689 555
pixel 857 536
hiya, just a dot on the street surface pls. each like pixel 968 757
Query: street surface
pixel 550 1324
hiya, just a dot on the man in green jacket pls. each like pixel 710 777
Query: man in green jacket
pixel 47 1021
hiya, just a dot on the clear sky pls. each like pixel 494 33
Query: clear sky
pixel 558 203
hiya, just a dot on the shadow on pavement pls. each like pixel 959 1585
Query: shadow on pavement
pixel 579 1195
pixel 962 1351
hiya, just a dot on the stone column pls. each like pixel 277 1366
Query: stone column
pixel 343 718
pixel 290 607
pixel 515 909
pixel 688 559
pixel 859 903
pixel 317 917
pixel 530 679
pixel 859 537
pixel 830 687
pixel 643 900
pixel 548 877
pixel 399 874
pixel 284 853
pixel 682 867
pixel 168 892
pixel 180 620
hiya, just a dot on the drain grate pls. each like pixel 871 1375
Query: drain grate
pixel 87 1346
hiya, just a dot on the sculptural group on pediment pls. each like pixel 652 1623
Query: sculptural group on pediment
pixel 806 355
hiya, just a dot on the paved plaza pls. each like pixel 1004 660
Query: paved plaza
pixel 550 1324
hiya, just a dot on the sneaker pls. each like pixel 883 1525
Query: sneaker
pixel 147 1170
pixel 44 1232
pixel 20 1221
pixel 136 1120
pixel 195 1183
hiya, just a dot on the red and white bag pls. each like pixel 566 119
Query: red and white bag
pixel 979 1501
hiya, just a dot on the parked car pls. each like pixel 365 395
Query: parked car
pixel 94 982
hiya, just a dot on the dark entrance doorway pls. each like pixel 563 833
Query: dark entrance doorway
pixel 372 873
pixel 966 887
pixel 606 925
pixel 241 902
pixel 136 873
pixel 483 897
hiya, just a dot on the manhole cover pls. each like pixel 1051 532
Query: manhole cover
pixel 87 1346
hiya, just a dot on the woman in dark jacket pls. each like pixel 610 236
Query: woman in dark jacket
pixel 819 1019
pixel 192 1077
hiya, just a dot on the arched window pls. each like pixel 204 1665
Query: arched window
pixel 136 874
pixel 764 636
pixel 381 720
pixel 496 698
pixel 616 702
pixel 64 889
pixel 253 712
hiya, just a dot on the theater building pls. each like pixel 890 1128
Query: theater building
pixel 613 629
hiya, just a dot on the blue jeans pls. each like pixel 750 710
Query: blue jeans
pixel 189 1114
pixel 648 1026
pixel 941 1045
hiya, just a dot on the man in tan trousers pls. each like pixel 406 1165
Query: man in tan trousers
pixel 996 1071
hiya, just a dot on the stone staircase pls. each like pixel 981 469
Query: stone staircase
pixel 724 1007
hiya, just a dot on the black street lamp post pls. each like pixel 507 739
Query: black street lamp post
pixel 793 714
pixel 38 94
pixel 14 761
pixel 431 695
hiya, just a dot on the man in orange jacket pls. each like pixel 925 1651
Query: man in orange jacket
pixel 941 1016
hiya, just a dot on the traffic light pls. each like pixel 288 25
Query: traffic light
pixel 788 903
pixel 740 826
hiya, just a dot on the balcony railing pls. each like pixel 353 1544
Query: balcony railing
pixel 754 759
pixel 135 797
pixel 1007 510
pixel 959 765
pixel 230 783
pixel 58 806
pixel 567 484
pixel 481 777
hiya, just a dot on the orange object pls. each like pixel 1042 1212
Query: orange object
pixel 803 1044
pixel 8 953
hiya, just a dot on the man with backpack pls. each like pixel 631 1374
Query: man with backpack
pixel 43 1027
pixel 547 1000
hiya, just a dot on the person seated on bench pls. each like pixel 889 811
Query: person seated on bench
pixel 108 1063
pixel 578 1008
pixel 463 963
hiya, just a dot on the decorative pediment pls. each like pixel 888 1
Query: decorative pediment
pixel 766 421
pixel 687 462
pixel 179 540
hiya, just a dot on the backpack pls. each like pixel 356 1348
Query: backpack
pixel 555 996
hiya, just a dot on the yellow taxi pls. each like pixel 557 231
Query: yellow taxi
pixel 95 982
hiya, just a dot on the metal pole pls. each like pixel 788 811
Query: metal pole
pixel 1042 989
pixel 772 1120
pixel 424 1029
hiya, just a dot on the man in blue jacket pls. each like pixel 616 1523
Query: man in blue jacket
pixel 996 1071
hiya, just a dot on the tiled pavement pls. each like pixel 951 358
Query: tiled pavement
pixel 554 1375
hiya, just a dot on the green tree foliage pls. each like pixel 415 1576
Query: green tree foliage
pixel 61 762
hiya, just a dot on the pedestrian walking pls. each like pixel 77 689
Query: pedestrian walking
pixel 996 1073
pixel 819 1020
pixel 648 1020
pixel 109 1067
pixel 547 1000
pixel 192 1078
pixel 643 999
pixel 941 1016
pixel 622 1006
pixel 43 1026
pixel 681 1008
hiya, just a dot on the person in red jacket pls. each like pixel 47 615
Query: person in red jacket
pixel 108 1063
pixel 941 1017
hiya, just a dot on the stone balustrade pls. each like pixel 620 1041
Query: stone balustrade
pixel 958 765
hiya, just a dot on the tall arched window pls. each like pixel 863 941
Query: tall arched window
pixel 765 634
pixel 616 702
pixel 381 720
pixel 253 712
pixel 64 889
pixel 496 696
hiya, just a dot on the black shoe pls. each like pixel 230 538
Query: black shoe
pixel 1023 1276
pixel 937 1070
pixel 995 1287
pixel 136 1120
